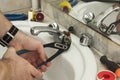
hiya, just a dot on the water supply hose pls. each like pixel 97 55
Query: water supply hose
pixel 13 17
pixel 73 2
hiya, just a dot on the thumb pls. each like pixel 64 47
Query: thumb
pixel 10 52
pixel 36 73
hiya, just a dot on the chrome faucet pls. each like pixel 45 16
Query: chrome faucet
pixel 52 29
pixel 98 21
pixel 38 29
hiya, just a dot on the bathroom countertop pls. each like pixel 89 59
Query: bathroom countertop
pixel 99 65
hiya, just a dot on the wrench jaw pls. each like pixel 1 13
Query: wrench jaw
pixel 65 42
pixel 67 39
pixel 62 47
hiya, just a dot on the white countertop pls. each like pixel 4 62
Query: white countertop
pixel 100 66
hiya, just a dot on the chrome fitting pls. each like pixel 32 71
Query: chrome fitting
pixel 86 39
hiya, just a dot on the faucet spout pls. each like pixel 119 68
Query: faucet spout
pixel 38 29
pixel 100 18
pixel 52 29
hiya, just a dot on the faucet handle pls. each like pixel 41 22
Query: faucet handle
pixel 54 26
pixel 88 17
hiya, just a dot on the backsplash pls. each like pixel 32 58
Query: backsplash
pixel 15 6
pixel 100 43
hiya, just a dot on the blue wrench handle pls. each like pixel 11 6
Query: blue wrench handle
pixel 23 51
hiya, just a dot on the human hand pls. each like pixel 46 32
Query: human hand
pixel 23 41
pixel 33 58
pixel 18 68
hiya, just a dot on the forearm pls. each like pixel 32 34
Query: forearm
pixel 18 40
pixel 5 25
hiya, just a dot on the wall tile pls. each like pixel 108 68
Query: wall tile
pixel 13 5
pixel 47 8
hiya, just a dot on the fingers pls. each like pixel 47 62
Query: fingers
pixel 49 64
pixel 42 53
pixel 43 68
pixel 22 64
pixel 36 73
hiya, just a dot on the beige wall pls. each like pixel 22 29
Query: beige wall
pixel 15 5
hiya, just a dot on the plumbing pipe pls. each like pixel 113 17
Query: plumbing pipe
pixel 35 5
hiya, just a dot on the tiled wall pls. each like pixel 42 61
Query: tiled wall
pixel 100 43
pixel 12 6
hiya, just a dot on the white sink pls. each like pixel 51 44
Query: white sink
pixel 78 63
pixel 83 8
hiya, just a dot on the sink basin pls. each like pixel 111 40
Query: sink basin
pixel 83 8
pixel 78 63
